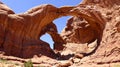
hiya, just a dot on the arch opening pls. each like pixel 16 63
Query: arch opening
pixel 47 38
pixel 60 24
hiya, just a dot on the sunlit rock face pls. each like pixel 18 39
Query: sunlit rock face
pixel 20 33
pixel 17 34
pixel 91 35
pixel 107 53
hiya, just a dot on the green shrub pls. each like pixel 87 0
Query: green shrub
pixel 28 64
pixel 3 60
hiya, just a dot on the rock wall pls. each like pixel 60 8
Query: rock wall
pixel 108 52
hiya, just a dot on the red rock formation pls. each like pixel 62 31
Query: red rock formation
pixel 20 33
pixel 17 34
pixel 84 29
pixel 102 3
pixel 4 10
pixel 108 52
pixel 91 37
pixel 51 29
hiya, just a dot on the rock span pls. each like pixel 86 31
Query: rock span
pixel 91 36
pixel 21 32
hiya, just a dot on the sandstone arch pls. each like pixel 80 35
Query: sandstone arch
pixel 25 44
pixel 22 31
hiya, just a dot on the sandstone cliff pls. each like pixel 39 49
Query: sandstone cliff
pixel 91 37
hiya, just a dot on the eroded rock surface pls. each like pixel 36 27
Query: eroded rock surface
pixel 91 37
pixel 107 54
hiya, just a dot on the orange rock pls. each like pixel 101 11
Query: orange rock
pixel 95 26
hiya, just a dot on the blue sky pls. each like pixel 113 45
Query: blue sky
pixel 20 6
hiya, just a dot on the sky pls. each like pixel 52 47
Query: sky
pixel 20 6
